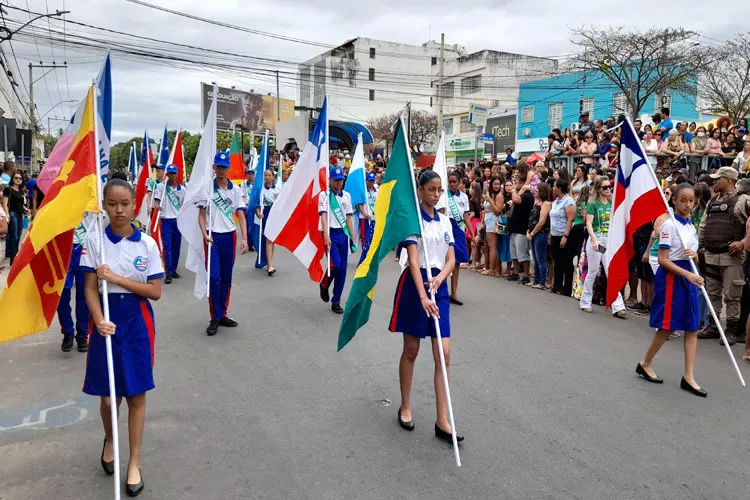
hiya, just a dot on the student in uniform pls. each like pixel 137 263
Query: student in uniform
pixel 153 183
pixel 335 209
pixel 131 265
pixel 174 194
pixel 675 303
pixel 226 201
pixel 267 198
pixel 247 189
pixel 460 217
pixel 414 310
pixel 367 211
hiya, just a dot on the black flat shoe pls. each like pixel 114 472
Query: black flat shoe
pixel 271 272
pixel 446 436
pixel 83 344
pixel 685 386
pixel 228 322
pixel 67 343
pixel 109 467
pixel 324 295
pixel 337 309
pixel 655 380
pixel 409 426
pixel 133 490
pixel 213 327
pixel 167 280
pixel 456 301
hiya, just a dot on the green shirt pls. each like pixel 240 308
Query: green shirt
pixel 602 213
pixel 579 218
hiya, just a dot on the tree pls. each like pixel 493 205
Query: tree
pixel 422 133
pixel 381 129
pixel 642 64
pixel 725 85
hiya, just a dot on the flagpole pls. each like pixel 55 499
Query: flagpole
pixel 692 262
pixel 432 298
pixel 328 185
pixel 105 310
pixel 210 222
pixel 134 157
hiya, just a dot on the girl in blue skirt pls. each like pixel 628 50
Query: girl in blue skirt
pixel 460 219
pixel 267 198
pixel 675 304
pixel 413 310
pixel 133 271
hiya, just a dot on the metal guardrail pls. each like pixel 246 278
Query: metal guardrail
pixel 695 161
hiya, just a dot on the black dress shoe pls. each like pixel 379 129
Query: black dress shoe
pixel 83 344
pixel 271 272
pixel 337 308
pixel 409 426
pixel 213 327
pixel 228 322
pixel 324 295
pixel 176 276
pixel 67 343
pixel 446 436
pixel 456 301
pixel 167 280
pixel 133 490
pixel 109 467
pixel 685 386
pixel 640 371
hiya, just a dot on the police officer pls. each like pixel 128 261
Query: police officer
pixel 335 209
pixel 226 202
pixel 168 199
pixel 247 189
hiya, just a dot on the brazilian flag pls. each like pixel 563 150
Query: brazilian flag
pixel 396 218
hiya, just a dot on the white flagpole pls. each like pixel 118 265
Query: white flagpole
pixel 105 309
pixel 262 172
pixel 328 184
pixel 134 155
pixel 153 191
pixel 210 224
pixel 692 262
pixel 432 298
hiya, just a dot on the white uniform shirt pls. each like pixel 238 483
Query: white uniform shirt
pixel 345 202
pixel 437 237
pixel 151 184
pixel 668 237
pixel 247 189
pixel 84 228
pixel 369 207
pixel 232 198
pixel 168 210
pixel 268 195
pixel 136 257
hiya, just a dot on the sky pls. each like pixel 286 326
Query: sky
pixel 149 95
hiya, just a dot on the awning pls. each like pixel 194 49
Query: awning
pixel 344 135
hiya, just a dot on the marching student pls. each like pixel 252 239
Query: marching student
pixel 460 217
pixel 367 211
pixel 247 189
pixel 226 201
pixel 170 233
pixel 133 271
pixel 675 303
pixel 268 196
pixel 339 203
pixel 413 310
pixel 153 183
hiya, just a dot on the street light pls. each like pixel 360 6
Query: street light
pixel 9 34
pixel 53 107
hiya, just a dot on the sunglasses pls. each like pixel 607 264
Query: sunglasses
pixel 606 188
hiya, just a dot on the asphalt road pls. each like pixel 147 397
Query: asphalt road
pixel 545 395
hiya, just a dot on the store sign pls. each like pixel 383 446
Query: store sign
pixel 461 144
pixel 478 115
pixel 504 130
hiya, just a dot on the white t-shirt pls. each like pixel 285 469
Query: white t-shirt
pixel 224 204
pixel 369 207
pixel 668 237
pixel 84 228
pixel 136 257
pixel 437 237
pixel 345 202
pixel 268 195
pixel 168 210
pixel 462 203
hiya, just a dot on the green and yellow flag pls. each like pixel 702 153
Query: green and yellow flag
pixel 396 218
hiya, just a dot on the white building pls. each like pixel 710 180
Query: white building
pixel 365 78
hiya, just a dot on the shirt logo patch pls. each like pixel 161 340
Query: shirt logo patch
pixel 141 263
pixel 447 237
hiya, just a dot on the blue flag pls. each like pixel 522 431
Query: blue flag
pixel 164 153
pixel 263 165
pixel 133 164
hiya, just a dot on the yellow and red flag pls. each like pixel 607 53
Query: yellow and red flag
pixel 37 276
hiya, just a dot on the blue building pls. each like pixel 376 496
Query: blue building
pixel 557 102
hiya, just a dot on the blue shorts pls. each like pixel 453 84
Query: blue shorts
pixel 409 318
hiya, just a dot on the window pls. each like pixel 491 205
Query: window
pixel 471 85
pixel 448 126
pixel 434 61
pixel 662 101
pixel 465 126
pixel 555 115
pixel 587 105
pixel 448 89
pixel 372 95
pixel 619 104
pixel 372 52
pixel 527 114
pixel 372 74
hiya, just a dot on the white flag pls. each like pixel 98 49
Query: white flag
pixel 441 167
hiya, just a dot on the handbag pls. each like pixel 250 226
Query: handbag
pixel 3 224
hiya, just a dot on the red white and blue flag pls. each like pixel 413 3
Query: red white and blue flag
pixel 637 201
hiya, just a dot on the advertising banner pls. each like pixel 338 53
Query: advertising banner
pixel 237 108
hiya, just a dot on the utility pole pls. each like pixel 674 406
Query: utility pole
pixel 278 100
pixel 408 120
pixel 441 92
pixel 32 106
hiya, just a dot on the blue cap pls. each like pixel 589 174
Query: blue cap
pixel 249 169
pixel 336 174
pixel 158 167
pixel 370 176
pixel 172 169
pixel 221 159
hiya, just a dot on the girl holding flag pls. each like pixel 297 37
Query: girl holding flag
pixel 268 196
pixel 460 217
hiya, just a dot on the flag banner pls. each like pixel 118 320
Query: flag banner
pixel 177 157
pixel 356 187
pixel 236 172
pixel 36 279
pixel 637 201
pixel 164 154
pixel 396 218
pixel 441 167
pixel 133 164
pixel 141 185
pixel 155 229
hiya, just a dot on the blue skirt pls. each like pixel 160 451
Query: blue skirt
pixel 503 244
pixel 675 304
pixel 409 318
pixel 132 349
pixel 462 253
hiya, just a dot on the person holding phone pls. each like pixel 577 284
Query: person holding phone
pixel 598 216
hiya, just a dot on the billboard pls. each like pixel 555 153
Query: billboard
pixel 504 130
pixel 253 112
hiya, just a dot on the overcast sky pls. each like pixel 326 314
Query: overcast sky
pixel 146 95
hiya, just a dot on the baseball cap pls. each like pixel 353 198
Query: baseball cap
pixel 172 169
pixel 336 174
pixel 158 167
pixel 728 172
pixel 370 176
pixel 742 129
pixel 221 159
pixel 249 169
pixel 683 170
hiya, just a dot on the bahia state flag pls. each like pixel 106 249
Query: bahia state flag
pixel 396 218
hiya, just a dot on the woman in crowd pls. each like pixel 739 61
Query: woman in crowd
pixel 493 208
pixel 650 145
pixel 588 148
pixel 460 217
pixel 268 196
pixel 729 150
pixel 742 161
pixel 658 135
pixel 538 233
pixel 503 239
pixel 475 204
pixel 131 323
pixel 673 146
pixel 562 215
pixel 699 144
pixel 598 215
pixel 714 142
pixel 579 181
pixel 414 312
pixel 675 304
pixel 14 205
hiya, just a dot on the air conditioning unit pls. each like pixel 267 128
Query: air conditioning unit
pixel 575 126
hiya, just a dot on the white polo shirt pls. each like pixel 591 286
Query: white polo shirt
pixel 247 190
pixel 345 202
pixel 268 196
pixel 152 184
pixel 84 228
pixel 437 237
pixel 168 210
pixel 372 197
pixel 224 204
pixel 668 237
pixel 136 257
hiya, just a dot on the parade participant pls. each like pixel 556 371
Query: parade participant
pixel 226 201
pixel 267 197
pixel 14 205
pixel 367 211
pixel 460 217
pixel 170 234
pixel 247 189
pixel 412 297
pixel 156 179
pixel 133 271
pixel 675 303
pixel 337 232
